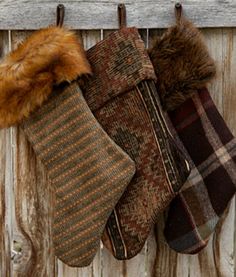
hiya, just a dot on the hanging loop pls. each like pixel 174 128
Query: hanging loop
pixel 122 15
pixel 178 11
pixel 60 15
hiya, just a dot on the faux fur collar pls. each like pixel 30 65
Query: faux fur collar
pixel 27 75
pixel 182 64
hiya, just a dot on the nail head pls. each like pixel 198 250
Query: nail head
pixel 178 5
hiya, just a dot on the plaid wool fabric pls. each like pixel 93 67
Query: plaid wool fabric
pixel 120 94
pixel 184 67
pixel 194 213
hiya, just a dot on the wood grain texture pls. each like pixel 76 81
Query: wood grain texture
pixel 6 187
pixel 102 14
pixel 6 196
pixel 26 196
pixel 32 198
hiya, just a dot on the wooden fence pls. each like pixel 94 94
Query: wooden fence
pixel 25 210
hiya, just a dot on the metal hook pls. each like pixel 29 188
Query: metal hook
pixel 60 15
pixel 178 11
pixel 122 15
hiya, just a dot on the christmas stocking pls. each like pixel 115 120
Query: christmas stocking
pixel 183 68
pixel 120 94
pixel 87 170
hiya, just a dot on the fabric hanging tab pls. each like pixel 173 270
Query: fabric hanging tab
pixel 122 16
pixel 178 12
pixel 60 15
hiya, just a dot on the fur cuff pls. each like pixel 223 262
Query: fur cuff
pixel 182 64
pixel 27 75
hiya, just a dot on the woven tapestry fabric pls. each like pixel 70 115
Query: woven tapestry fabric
pixel 118 62
pixel 124 106
pixel 88 171
pixel 195 212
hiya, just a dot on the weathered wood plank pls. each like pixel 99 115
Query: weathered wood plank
pixel 167 262
pixel 32 195
pixel 215 42
pixel 136 267
pixel 229 80
pixel 229 114
pixel 3 237
pixel 150 253
pixel 6 196
pixel 6 186
pixel 115 269
pixel 95 14
pixel 32 228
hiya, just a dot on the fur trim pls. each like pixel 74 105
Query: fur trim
pixel 27 75
pixel 182 64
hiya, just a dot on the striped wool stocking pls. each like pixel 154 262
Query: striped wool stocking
pixel 87 170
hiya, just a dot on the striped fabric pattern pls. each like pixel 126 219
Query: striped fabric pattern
pixel 195 212
pixel 88 171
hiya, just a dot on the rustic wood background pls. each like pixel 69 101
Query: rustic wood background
pixel 101 14
pixel 25 210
